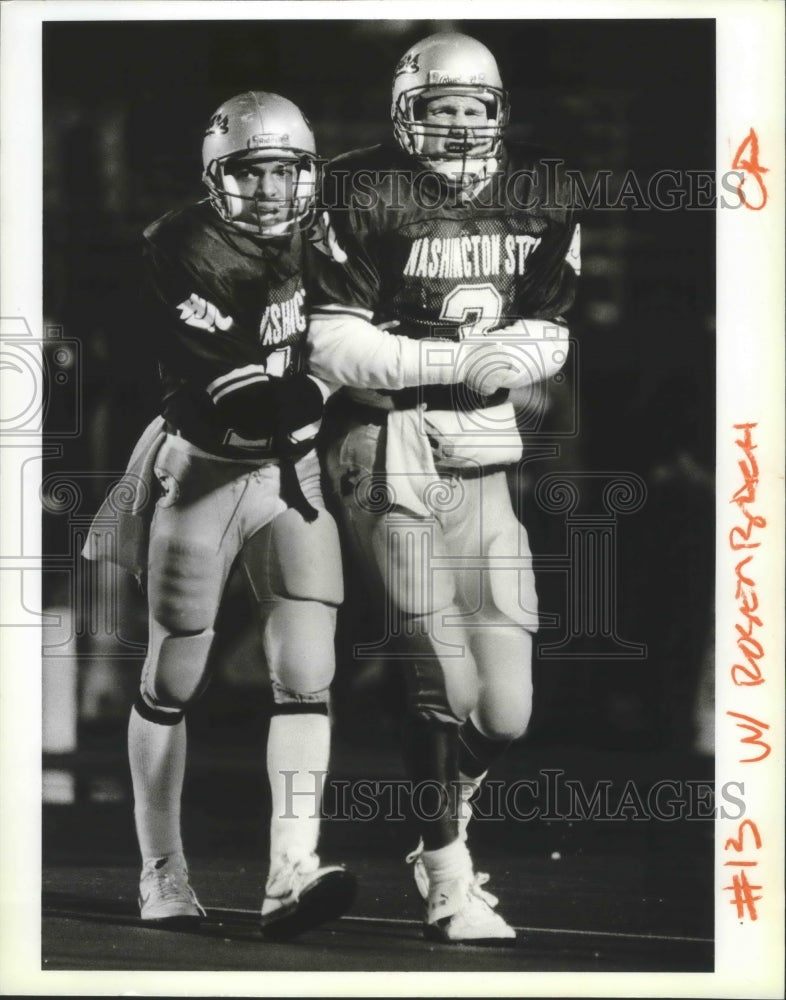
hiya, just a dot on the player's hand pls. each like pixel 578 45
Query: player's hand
pixel 270 404
pixel 486 367
pixel 298 403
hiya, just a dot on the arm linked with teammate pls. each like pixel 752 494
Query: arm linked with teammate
pixel 344 348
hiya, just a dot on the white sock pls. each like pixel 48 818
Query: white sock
pixel 448 863
pixel 157 757
pixel 298 750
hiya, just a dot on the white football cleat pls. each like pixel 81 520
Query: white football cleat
pixel 462 912
pixel 165 896
pixel 300 895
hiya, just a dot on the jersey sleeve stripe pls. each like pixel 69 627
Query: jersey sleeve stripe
pixel 236 379
pixel 335 307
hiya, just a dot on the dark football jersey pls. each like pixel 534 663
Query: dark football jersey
pixel 440 262
pixel 225 303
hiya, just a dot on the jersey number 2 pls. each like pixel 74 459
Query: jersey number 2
pixel 475 308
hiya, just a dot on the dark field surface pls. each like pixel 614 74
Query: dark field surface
pixel 624 895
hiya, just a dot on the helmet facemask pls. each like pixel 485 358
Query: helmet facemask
pixel 255 212
pixel 464 154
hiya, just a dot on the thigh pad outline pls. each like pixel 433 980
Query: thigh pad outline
pixel 294 559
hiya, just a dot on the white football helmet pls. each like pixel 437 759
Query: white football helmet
pixel 449 63
pixel 252 127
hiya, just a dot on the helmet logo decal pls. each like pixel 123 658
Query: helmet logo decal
pixel 407 64
pixel 218 124
pixel 257 125
pixel 268 139
pixel 437 77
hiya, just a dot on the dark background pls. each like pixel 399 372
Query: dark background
pixel 124 112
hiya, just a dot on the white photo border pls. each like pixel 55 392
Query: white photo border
pixel 750 386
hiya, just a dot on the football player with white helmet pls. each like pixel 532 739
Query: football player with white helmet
pixel 232 463
pixel 462 256
pixel 449 107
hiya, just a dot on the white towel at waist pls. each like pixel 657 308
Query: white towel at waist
pixel 422 443
pixel 475 438
pixel 127 511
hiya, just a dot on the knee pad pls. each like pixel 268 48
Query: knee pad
pixel 505 729
pixel 504 658
pixel 298 639
pixel 293 559
pixel 176 673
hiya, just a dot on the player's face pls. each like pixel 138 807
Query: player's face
pixel 265 189
pixel 449 123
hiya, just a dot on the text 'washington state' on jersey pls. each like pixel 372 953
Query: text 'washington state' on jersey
pixel 476 256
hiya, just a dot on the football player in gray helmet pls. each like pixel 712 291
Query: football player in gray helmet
pixel 449 107
pixel 232 463
pixel 453 296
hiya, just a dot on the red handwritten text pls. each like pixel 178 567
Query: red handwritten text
pixel 743 539
pixel 747 159
pixel 749 673
pixel 743 893
pixel 755 728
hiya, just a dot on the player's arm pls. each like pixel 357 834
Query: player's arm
pixel 536 348
pixel 548 287
pixel 345 347
pixel 545 295
pixel 201 342
pixel 531 350
pixel 255 403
